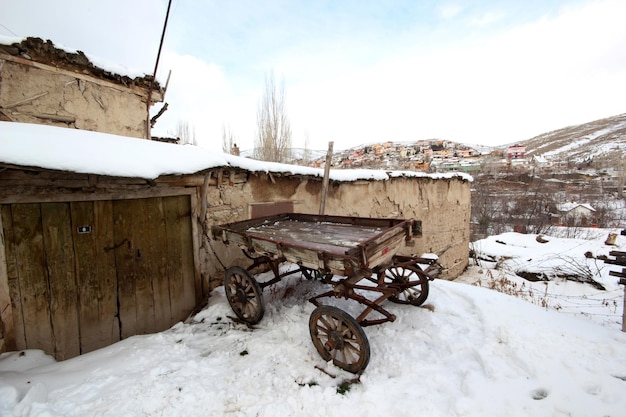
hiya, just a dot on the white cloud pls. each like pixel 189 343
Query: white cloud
pixel 487 18
pixel 528 80
pixel 201 94
pixel 450 11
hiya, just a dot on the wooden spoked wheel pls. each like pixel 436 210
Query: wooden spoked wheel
pixel 412 284
pixel 337 336
pixel 244 294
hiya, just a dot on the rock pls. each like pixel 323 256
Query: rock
pixel 611 240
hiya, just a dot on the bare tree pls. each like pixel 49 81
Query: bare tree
pixel 488 207
pixel 229 141
pixel 185 132
pixel 306 154
pixel 273 141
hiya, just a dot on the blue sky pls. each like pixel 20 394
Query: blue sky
pixel 354 72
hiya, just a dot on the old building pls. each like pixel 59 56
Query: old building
pixel 42 84
pixel 103 236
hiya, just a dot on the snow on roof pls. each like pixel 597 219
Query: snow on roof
pixel 57 55
pixel 571 206
pixel 87 152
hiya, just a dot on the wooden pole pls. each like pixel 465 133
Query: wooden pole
pixel 329 159
pixel 623 282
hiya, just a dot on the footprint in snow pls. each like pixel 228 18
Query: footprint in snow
pixel 539 394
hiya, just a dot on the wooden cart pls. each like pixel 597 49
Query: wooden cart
pixel 356 255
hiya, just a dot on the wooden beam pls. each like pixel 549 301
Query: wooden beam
pixel 329 156
pixel 46 116
pixel 203 196
pixel 45 196
pixel 196 234
pixel 142 92
pixel 7 338
pixel 617 274
pixel 26 100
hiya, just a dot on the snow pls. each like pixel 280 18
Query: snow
pixel 89 152
pixel 472 352
pixel 97 153
pixel 95 60
pixel 583 140
pixel 501 258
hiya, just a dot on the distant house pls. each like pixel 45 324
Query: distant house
pixel 465 152
pixel 541 161
pixel 575 212
pixel 515 152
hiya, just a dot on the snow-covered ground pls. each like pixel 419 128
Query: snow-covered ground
pixel 551 259
pixel 471 352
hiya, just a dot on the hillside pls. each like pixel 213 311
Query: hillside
pixel 600 139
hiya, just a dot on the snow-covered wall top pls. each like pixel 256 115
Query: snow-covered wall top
pixel 44 51
pixel 88 152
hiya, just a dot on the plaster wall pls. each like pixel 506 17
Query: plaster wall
pixel 46 95
pixel 441 205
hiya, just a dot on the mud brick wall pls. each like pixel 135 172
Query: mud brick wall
pixel 31 92
pixel 441 205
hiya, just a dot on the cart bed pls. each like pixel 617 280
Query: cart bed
pixel 335 244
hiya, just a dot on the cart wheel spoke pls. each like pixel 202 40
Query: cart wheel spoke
pixel 244 294
pixel 337 336
pixel 412 284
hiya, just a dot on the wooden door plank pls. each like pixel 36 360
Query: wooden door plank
pixel 59 252
pixel 145 218
pixel 124 250
pixel 96 276
pixel 180 256
pixel 11 308
pixel 157 268
pixel 109 329
pixel 33 277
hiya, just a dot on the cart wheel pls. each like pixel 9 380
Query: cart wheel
pixel 414 284
pixel 337 336
pixel 244 294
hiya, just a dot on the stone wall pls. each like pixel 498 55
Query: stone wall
pixel 31 92
pixel 442 205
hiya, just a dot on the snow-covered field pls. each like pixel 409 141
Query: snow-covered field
pixel 472 352
pixel 555 257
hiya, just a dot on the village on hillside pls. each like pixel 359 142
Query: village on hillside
pixel 438 155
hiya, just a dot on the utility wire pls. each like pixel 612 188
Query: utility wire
pixel 9 30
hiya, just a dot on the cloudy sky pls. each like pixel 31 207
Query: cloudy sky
pixel 357 71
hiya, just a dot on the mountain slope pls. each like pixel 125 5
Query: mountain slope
pixel 604 139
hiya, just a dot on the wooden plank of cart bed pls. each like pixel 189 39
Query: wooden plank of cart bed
pixel 309 255
pixel 384 252
pixel 386 235
pixel 324 234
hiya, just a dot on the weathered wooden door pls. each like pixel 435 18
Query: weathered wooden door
pixel 83 275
